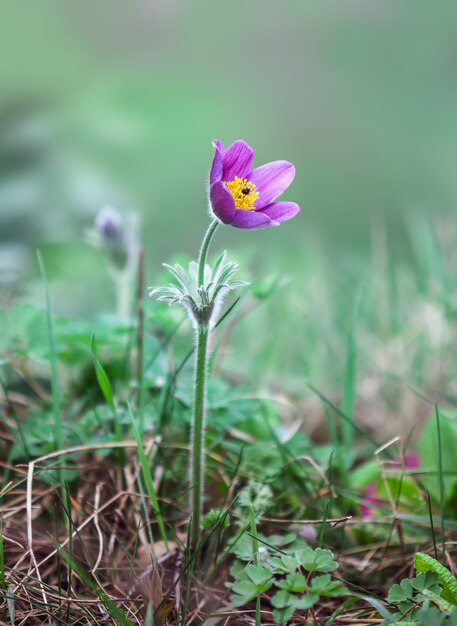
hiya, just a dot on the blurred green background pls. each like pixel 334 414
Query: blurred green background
pixel 117 103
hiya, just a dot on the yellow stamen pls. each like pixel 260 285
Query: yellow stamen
pixel 244 193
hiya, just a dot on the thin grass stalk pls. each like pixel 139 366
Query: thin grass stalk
pixel 140 341
pixel 440 461
pixel 432 527
pixel 349 390
pixel 67 510
pixel 56 409
pixel 255 552
pixel 146 472
pixel 2 558
pixel 147 523
pixel 115 613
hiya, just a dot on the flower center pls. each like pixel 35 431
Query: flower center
pixel 244 193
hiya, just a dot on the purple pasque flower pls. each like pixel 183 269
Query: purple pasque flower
pixel 246 198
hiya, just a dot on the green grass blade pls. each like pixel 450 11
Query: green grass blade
pixel 102 377
pixel 340 610
pixel 440 461
pixel 114 611
pixel 146 473
pixel 345 417
pixel 255 551
pixel 107 390
pixel 58 432
pixel 349 389
pixel 255 545
pixel 432 526
pixel 2 558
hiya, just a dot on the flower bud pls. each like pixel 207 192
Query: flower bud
pixel 111 231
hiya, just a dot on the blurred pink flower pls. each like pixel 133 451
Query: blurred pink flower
pixel 369 501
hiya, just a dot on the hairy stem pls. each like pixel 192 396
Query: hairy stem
pixel 204 250
pixel 198 432
pixel 198 425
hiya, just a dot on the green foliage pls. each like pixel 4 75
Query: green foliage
pixel 433 616
pixel 429 450
pixel 250 581
pixel 422 600
pixel 113 610
pixel 258 458
pixel 262 461
pixel 214 517
pixel 295 590
pixel 253 496
pixel 102 377
pixel 426 563
pixel 317 560
pixel 407 589
pixel 145 464
pixel 241 545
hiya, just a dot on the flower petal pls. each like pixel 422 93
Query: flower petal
pixel 252 219
pixel 222 202
pixel 237 160
pixel 281 211
pixel 216 168
pixel 271 179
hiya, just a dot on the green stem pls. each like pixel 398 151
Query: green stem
pixel 198 425
pixel 198 432
pixel 204 251
pixel 123 294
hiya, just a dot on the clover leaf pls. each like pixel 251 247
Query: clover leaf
pixel 284 564
pixel 294 583
pixel 317 560
pixel 286 604
pixel 251 581
pixel 326 586
pixel 245 591
pixel 283 615
pixel 260 576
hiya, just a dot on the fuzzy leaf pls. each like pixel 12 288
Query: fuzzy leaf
pixel 426 563
pixel 431 616
pixel 443 604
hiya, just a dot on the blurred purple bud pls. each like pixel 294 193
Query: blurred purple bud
pixel 109 223
pixel 111 230
pixel 308 533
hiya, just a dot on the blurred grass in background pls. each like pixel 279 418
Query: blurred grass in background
pixel 117 103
